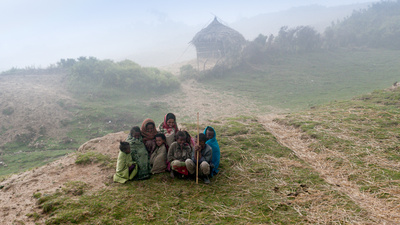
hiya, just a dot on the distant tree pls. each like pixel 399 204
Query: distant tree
pixel 306 39
pixel 298 39
pixel 270 40
pixel 376 26
pixel 260 40
pixel 66 63
pixel 82 58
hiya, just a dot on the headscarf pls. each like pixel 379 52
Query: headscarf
pixel 148 135
pixel 216 154
pixel 165 125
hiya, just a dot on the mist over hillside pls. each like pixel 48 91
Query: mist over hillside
pixel 175 47
pixel 316 16
pixel 157 42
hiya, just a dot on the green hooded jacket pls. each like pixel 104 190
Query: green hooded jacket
pixel 140 156
pixel 122 172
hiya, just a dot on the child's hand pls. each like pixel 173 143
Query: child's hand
pixel 197 152
pixel 197 148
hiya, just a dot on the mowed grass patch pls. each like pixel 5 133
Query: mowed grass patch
pixel 299 81
pixel 362 135
pixel 260 181
pixel 21 161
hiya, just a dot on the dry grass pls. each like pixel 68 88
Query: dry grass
pixel 353 145
pixel 260 182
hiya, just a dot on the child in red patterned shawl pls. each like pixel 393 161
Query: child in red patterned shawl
pixel 169 127
pixel 148 133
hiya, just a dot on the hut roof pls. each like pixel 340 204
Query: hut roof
pixel 218 32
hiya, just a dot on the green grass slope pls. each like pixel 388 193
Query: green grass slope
pixel 263 182
pixel 359 139
pixel 93 116
pixel 260 182
pixel 298 81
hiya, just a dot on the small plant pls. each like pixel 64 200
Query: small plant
pixel 92 157
pixel 48 203
pixel 50 206
pixel 37 195
pixel 34 215
pixel 75 188
pixel 8 111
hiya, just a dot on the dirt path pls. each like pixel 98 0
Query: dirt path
pixel 379 210
pixel 211 104
pixel 42 96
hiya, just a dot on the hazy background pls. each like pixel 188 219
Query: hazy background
pixel 38 33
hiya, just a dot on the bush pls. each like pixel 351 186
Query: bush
pixel 94 76
pixel 188 72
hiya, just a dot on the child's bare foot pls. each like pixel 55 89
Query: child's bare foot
pixel 172 174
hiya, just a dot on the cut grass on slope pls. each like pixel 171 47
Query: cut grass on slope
pixel 22 161
pixel 362 135
pixel 260 181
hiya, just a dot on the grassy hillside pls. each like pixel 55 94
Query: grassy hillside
pixel 260 182
pixel 292 82
pixel 263 182
pixel 62 107
pixel 365 130
pixel 93 116
pixel 299 81
pixel 359 141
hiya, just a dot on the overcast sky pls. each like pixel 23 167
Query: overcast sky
pixel 40 32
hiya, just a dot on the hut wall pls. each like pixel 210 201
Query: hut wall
pixel 210 50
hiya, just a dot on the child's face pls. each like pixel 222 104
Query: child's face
pixel 136 135
pixel 181 140
pixel 171 123
pixel 209 134
pixel 202 144
pixel 159 141
pixel 128 149
pixel 150 128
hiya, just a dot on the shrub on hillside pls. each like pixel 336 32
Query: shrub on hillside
pixel 188 72
pixel 125 75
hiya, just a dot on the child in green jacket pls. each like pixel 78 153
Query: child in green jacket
pixel 139 153
pixel 126 168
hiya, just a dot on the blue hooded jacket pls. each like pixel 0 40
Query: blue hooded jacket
pixel 216 154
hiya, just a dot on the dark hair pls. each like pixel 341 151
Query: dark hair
pixel 170 116
pixel 202 137
pixel 210 129
pixel 150 123
pixel 134 129
pixel 188 137
pixel 123 145
pixel 161 135
pixel 180 134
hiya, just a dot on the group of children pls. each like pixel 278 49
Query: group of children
pixel 147 151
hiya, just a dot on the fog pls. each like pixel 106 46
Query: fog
pixel 39 33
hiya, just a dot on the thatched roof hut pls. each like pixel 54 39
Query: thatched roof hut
pixel 217 41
